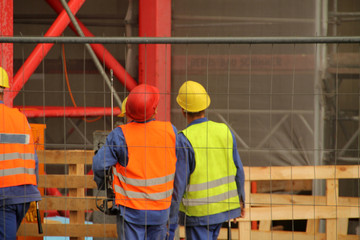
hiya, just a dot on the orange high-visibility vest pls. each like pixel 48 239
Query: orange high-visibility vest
pixel 17 152
pixel 146 183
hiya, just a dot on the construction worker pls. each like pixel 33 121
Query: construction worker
pixel 19 167
pixel 142 156
pixel 209 179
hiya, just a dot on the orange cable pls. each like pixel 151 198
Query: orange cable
pixel 68 85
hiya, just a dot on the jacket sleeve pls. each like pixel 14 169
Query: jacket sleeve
pixel 113 151
pixel 185 165
pixel 240 175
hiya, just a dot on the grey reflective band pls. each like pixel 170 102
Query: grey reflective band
pixel 211 184
pixel 149 196
pixel 11 156
pixel 145 182
pixel 208 200
pixel 14 138
pixel 15 171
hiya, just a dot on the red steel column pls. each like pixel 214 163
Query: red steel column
pixel 155 59
pixel 6 49
pixel 40 51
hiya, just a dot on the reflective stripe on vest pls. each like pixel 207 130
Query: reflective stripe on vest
pixel 146 183
pixel 14 171
pixel 10 156
pixel 14 138
pixel 17 150
pixel 212 188
pixel 142 195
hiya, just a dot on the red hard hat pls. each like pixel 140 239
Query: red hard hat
pixel 142 102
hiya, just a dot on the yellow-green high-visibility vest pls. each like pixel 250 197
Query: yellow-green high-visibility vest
pixel 212 188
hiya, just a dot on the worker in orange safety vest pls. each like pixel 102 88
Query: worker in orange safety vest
pixel 142 155
pixel 18 168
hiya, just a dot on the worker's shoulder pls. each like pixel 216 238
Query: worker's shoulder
pixel 13 111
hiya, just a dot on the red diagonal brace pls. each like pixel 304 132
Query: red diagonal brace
pixel 100 51
pixel 54 111
pixel 40 51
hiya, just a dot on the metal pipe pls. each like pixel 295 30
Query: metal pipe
pixel 184 40
pixel 41 50
pixel 101 52
pixel 54 111
pixel 79 131
pixel 92 54
pixel 351 140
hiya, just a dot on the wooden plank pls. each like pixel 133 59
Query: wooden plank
pixel 285 235
pixel 342 226
pixel 68 203
pixel 65 156
pixel 265 225
pixel 300 212
pixel 77 216
pixel 312 226
pixel 331 199
pixel 283 185
pixel 69 230
pixel 244 232
pixel 66 181
pixel 264 199
pixel 302 172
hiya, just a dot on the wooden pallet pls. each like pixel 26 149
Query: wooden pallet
pixel 261 207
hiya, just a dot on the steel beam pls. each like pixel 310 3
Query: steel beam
pixel 6 49
pixel 41 50
pixel 155 59
pixel 184 40
pixel 101 52
pixel 54 111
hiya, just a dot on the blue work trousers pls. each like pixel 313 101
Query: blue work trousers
pixel 129 231
pixel 10 219
pixel 210 232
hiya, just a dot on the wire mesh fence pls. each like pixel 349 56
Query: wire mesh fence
pixel 291 104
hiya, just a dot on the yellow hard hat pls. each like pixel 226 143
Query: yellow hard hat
pixel 4 79
pixel 123 108
pixel 192 97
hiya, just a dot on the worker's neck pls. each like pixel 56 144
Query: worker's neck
pixel 190 119
pixel 1 97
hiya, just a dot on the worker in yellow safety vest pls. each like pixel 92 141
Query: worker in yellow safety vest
pixel 18 168
pixel 209 179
